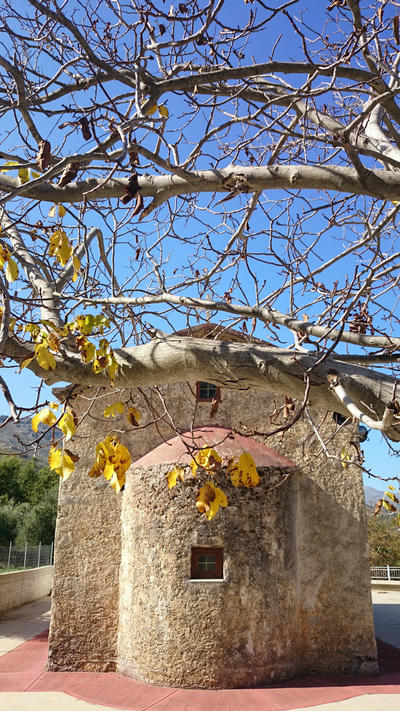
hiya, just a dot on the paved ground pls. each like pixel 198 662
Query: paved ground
pixel 387 615
pixel 17 626
pixel 26 686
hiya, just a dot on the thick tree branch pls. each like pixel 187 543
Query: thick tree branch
pixel 382 184
pixel 230 365
pixel 389 414
pixel 263 314
pixel 43 288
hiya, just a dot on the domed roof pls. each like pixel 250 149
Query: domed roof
pixel 226 443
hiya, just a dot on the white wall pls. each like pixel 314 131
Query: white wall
pixel 24 586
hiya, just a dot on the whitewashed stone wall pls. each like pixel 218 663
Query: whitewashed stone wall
pixel 23 586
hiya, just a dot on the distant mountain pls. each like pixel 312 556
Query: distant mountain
pixel 372 496
pixel 15 438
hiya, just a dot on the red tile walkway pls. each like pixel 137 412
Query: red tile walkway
pixel 23 669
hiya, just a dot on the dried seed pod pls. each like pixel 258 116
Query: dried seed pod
pixel 395 23
pixel 139 205
pixel 133 158
pixel 85 128
pixel 70 172
pixel 131 189
pixel 43 155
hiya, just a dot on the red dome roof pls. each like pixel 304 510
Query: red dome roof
pixel 222 439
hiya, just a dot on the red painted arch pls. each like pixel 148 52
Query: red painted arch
pixel 226 443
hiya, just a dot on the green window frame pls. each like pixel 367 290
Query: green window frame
pixel 207 392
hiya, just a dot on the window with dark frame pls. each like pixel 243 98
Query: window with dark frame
pixel 207 392
pixel 207 563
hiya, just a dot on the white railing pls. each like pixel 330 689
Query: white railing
pixel 385 572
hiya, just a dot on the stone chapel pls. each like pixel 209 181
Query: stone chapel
pixel 277 584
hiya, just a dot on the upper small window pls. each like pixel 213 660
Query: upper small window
pixel 207 563
pixel 206 392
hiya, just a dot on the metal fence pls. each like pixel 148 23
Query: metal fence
pixel 385 572
pixel 16 558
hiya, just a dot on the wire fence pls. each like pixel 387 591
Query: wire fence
pixel 20 558
pixel 385 572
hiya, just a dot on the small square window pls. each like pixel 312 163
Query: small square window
pixel 207 563
pixel 207 392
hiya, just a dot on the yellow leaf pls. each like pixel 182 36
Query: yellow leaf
pixel 206 458
pixel 392 488
pixel 345 457
pixel 45 416
pixel 122 459
pixel 34 174
pixel 173 476
pixel 388 506
pixel 55 239
pixel 133 416
pixel 152 110
pixel 209 500
pixel 52 211
pixel 11 270
pixel 117 482
pixel 105 358
pixel 105 450
pixel 59 246
pixel 88 324
pixel 53 342
pixel 61 211
pixel 163 111
pixel 96 471
pixel 64 250
pixel 77 265
pixel 392 497
pixel 244 472
pixel 108 470
pixel 112 461
pixel 74 457
pixel 9 163
pixel 26 362
pixel 45 359
pixel 86 349
pixel 193 466
pixel 61 462
pixel 4 256
pixel 23 175
pixel 115 409
pixel 54 458
pixel 89 353
pixel 112 368
pixel 67 424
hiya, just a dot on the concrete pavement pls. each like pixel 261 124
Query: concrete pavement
pixel 387 615
pixel 26 686
pixel 23 623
